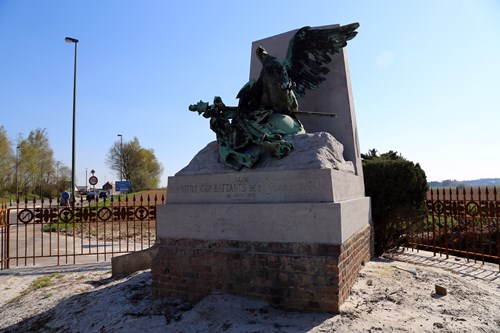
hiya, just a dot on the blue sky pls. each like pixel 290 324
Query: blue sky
pixel 425 75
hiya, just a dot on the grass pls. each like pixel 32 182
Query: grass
pixel 41 282
pixel 38 283
pixel 47 295
pixel 7 199
pixel 128 199
pixel 53 227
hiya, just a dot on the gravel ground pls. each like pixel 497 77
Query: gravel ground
pixel 389 296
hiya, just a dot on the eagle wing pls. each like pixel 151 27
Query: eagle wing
pixel 309 52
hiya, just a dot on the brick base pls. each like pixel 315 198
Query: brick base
pixel 296 276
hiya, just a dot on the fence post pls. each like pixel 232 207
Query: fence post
pixel 497 215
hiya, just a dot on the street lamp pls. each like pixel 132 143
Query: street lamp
pixel 74 41
pixel 17 166
pixel 121 157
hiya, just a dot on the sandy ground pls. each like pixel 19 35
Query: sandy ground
pixel 389 296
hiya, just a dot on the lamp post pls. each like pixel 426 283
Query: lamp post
pixel 74 41
pixel 17 166
pixel 121 157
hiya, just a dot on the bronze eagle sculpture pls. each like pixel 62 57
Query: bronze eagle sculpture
pixel 281 82
pixel 267 106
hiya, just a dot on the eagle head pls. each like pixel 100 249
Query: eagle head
pixel 261 53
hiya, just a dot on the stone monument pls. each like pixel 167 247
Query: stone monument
pixel 294 230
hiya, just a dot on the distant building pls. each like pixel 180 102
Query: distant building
pixel 108 187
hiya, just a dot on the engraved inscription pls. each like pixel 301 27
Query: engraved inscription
pixel 243 188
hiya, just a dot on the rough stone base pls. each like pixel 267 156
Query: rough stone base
pixel 297 276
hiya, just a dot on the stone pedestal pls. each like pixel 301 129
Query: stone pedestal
pixel 294 238
pixel 294 233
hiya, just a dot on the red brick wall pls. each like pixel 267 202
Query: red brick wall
pixel 297 276
pixel 355 252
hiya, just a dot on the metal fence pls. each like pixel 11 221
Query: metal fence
pixel 3 225
pixel 48 233
pixel 462 222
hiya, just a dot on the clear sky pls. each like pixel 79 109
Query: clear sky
pixel 425 75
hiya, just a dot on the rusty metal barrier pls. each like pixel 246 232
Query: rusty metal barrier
pixel 48 233
pixel 461 222
pixel 4 214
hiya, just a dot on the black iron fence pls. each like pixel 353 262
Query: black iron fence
pixel 463 222
pixel 49 232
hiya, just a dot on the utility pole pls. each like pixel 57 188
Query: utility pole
pixel 121 157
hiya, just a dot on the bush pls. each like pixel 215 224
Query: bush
pixel 397 188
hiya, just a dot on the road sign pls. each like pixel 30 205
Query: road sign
pixel 93 180
pixel 122 186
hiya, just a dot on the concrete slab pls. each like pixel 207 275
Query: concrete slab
pixel 132 262
pixel 328 223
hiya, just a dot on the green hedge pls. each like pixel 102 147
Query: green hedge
pixel 397 188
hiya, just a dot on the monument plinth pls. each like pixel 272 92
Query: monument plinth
pixel 293 231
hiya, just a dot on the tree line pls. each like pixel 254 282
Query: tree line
pixel 28 167
pixel 462 183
